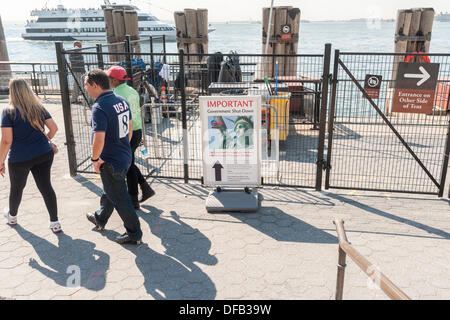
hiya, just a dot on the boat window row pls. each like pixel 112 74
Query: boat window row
pixel 88 19
pixel 65 30
pixel 76 30
pixel 156 29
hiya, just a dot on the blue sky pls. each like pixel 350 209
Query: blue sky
pixel 232 10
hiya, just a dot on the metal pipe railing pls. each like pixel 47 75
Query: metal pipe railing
pixel 345 248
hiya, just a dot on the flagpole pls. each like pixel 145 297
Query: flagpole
pixel 269 28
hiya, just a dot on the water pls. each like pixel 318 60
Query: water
pixel 246 38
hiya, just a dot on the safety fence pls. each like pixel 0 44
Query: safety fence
pixel 41 76
pixel 291 87
pixel 315 120
pixel 374 145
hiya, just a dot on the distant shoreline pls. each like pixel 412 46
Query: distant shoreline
pixel 246 22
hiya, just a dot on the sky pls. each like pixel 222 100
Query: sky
pixel 238 10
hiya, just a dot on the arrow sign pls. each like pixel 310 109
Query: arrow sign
pixel 218 168
pixel 424 76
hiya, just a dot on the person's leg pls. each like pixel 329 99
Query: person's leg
pixel 117 193
pixel 106 205
pixel 41 174
pixel 18 174
pixel 132 174
pixel 76 87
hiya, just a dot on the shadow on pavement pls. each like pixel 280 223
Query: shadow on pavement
pixel 280 226
pixel 173 275
pixel 89 185
pixel 387 215
pixel 297 196
pixel 62 261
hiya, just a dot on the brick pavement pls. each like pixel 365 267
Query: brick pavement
pixel 287 250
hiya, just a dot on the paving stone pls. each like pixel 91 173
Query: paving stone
pixel 287 250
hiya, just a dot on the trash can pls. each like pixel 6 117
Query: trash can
pixel 281 103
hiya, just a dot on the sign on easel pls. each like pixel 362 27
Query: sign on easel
pixel 231 140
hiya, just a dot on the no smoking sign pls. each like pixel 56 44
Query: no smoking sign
pixel 372 85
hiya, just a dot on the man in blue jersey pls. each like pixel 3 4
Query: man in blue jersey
pixel 111 155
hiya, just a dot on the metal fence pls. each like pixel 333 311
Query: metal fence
pixel 41 76
pixel 292 95
pixel 372 148
pixel 367 146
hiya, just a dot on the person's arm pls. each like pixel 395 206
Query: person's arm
pixel 131 130
pixel 97 147
pixel 99 126
pixel 52 127
pixel 5 145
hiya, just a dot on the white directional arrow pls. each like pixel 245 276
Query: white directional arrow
pixel 424 76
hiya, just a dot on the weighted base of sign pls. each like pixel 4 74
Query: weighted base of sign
pixel 232 201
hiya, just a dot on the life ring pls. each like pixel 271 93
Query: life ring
pixel 424 58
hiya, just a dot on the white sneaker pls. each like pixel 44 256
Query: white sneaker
pixel 12 221
pixel 55 226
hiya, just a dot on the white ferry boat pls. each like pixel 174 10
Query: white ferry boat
pixel 63 24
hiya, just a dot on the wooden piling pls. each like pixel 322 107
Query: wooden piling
pixel 132 29
pixel 192 37
pixel 192 33
pixel 120 22
pixel 280 41
pixel 202 32
pixel 5 70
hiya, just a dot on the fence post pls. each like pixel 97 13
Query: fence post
pixel 34 80
pixel 341 266
pixel 100 62
pixel 323 115
pixel 184 118
pixel 152 62
pixel 164 48
pixel 65 100
pixel 128 64
pixel 445 164
pixel 331 117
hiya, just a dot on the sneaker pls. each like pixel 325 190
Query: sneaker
pixel 12 221
pixel 91 218
pixel 55 226
pixel 147 192
pixel 125 239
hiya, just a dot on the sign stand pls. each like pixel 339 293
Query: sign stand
pixel 231 135
pixel 233 200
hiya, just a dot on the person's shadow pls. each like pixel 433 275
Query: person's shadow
pixel 165 278
pixel 74 262
pixel 181 241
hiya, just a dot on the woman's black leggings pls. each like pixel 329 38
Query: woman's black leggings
pixel 40 168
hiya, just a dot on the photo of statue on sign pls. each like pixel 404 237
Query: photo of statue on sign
pixel 231 140
pixel 234 132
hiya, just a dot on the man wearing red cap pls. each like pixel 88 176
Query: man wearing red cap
pixel 117 79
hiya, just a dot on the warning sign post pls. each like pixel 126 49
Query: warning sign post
pixel 231 140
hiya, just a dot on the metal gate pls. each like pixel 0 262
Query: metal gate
pixel 372 148
pixel 173 139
